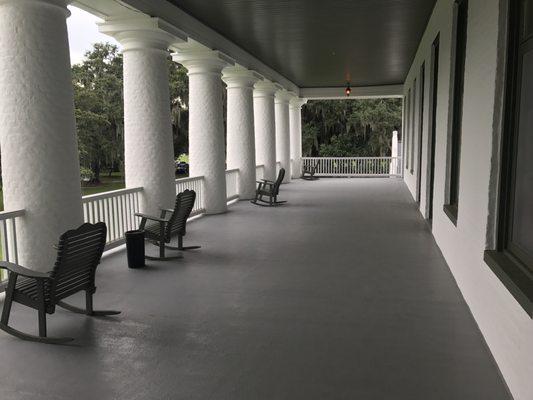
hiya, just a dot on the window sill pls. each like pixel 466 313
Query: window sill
pixel 451 211
pixel 512 275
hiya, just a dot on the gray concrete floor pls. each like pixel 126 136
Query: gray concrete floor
pixel 340 294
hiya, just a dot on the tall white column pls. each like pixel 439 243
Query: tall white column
pixel 265 129
pixel 40 165
pixel 240 131
pixel 148 147
pixel 283 139
pixel 206 122
pixel 295 111
pixel 394 154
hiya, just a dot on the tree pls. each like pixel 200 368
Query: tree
pixel 179 100
pixel 343 128
pixel 99 109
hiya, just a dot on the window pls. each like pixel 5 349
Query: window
pixel 454 144
pixel 420 132
pixel 407 128
pixel 512 261
pixel 434 89
pixel 413 111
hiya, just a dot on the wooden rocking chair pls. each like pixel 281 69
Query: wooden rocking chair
pixel 308 172
pixel 270 189
pixel 79 253
pixel 171 222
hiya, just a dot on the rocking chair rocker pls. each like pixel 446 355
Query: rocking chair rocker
pixel 79 253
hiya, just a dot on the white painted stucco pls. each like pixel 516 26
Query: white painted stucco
pixel 40 166
pixel 207 156
pixel 283 138
pixel 148 148
pixel 240 127
pixel 506 327
pixel 295 127
pixel 265 128
pixel 394 153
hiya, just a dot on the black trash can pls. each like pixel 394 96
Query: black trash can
pixel 135 248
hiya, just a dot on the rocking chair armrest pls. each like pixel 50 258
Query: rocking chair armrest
pixel 20 270
pixel 151 217
pixel 264 182
pixel 167 210
pixel 267 181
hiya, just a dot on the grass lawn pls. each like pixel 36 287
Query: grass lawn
pixel 107 183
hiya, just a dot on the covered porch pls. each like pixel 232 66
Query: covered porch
pixel 341 293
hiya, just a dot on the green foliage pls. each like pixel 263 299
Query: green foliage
pixel 179 99
pixel 330 127
pixel 309 138
pixel 350 128
pixel 183 158
pixel 99 109
pixel 86 174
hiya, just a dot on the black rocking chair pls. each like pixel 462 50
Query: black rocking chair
pixel 79 253
pixel 308 172
pixel 270 189
pixel 171 222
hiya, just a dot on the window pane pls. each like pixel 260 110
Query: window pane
pixel 527 20
pixel 522 233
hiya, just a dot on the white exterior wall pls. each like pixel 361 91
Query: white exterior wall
pixel 40 166
pixel 507 328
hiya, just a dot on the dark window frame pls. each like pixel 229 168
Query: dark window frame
pixel 413 127
pixel 407 128
pixel 460 28
pixel 432 126
pixel 420 136
pixel 512 266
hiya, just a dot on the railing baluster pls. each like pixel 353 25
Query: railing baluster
pixel 5 245
pixel 15 247
pixel 355 166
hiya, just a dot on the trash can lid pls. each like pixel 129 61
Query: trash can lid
pixel 134 232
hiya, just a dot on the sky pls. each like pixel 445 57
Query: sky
pixel 83 32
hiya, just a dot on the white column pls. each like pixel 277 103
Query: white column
pixel 283 138
pixel 394 154
pixel 40 165
pixel 265 129
pixel 240 130
pixel 206 122
pixel 148 145
pixel 295 110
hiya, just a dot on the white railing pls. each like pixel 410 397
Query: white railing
pixel 195 183
pixel 232 184
pixel 117 209
pixel 259 172
pixel 8 236
pixel 355 166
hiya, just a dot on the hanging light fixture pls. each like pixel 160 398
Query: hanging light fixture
pixel 348 89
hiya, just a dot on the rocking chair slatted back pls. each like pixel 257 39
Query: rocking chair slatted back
pixel 182 210
pixel 278 182
pixel 79 252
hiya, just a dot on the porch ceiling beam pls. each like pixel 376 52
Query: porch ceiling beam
pixel 360 92
pixel 191 26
